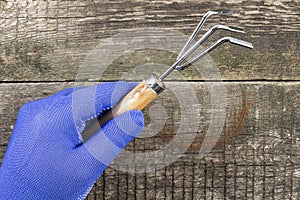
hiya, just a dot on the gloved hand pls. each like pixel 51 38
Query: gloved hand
pixel 46 159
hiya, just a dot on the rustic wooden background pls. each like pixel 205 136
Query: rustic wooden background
pixel 43 43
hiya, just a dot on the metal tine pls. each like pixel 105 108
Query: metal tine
pixel 214 46
pixel 198 28
pixel 207 35
pixel 195 46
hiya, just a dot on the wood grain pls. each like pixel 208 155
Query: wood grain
pixel 260 162
pixel 44 43
pixel 48 40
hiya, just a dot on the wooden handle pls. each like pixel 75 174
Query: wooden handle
pixel 137 99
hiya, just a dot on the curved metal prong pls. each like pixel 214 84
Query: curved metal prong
pixel 195 46
pixel 207 35
pixel 214 46
pixel 198 28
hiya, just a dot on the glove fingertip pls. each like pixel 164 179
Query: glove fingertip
pixel 131 122
pixel 138 118
pixel 108 142
pixel 124 128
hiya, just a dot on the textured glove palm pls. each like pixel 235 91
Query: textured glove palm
pixel 45 158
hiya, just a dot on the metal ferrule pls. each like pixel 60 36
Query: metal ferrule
pixel 155 84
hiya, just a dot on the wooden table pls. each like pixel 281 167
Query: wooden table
pixel 43 44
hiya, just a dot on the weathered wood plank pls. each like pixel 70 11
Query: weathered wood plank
pixel 261 161
pixel 47 40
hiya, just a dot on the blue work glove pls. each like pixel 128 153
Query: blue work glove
pixel 46 158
